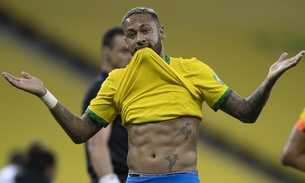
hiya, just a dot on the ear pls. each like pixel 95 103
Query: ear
pixel 105 51
pixel 162 32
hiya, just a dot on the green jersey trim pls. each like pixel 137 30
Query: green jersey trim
pixel 167 59
pixel 96 118
pixel 217 105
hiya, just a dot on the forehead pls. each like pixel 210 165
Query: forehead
pixel 138 20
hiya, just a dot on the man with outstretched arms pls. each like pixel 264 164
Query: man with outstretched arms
pixel 159 98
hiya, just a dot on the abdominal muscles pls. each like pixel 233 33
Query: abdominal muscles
pixel 163 147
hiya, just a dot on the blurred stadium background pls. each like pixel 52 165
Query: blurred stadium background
pixel 58 41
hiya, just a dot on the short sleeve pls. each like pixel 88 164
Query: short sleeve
pixel 102 108
pixel 214 91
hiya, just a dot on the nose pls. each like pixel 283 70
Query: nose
pixel 141 38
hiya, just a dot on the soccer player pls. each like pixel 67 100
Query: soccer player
pixel 160 99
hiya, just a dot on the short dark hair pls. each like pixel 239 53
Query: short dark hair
pixel 108 37
pixel 38 157
pixel 142 10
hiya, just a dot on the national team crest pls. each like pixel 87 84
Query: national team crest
pixel 217 78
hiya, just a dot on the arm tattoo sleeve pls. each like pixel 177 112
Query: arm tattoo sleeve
pixel 246 110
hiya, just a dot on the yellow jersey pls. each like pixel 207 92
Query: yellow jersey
pixel 150 89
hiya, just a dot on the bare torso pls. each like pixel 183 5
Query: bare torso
pixel 163 147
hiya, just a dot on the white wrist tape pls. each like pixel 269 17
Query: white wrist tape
pixel 110 178
pixel 49 100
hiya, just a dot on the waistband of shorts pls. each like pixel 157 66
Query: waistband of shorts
pixel 158 175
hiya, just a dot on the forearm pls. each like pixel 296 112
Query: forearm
pixel 297 162
pixel 247 110
pixel 101 161
pixel 293 153
pixel 99 152
pixel 257 100
pixel 78 129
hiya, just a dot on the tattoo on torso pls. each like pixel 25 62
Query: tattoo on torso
pixel 186 130
pixel 172 161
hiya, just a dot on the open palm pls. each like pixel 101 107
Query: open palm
pixel 282 65
pixel 28 83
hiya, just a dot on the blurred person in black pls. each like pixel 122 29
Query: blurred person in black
pixel 39 165
pixel 106 152
pixel 8 172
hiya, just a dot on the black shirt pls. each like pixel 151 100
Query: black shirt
pixel 118 137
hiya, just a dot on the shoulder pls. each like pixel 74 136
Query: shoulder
pixel 116 73
pixel 191 63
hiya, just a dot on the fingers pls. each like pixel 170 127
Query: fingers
pixel 26 75
pixel 8 76
pixel 292 59
pixel 300 55
pixel 11 79
pixel 283 56
pixel 4 74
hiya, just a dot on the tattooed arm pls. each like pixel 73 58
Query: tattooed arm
pixel 247 110
pixel 79 129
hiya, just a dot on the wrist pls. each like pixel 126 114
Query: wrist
pixel 49 100
pixel 109 178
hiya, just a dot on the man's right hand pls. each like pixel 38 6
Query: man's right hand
pixel 29 83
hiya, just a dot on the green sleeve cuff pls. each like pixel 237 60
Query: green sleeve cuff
pixel 96 118
pixel 217 105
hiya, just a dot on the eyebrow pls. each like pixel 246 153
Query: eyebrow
pixel 141 26
pixel 145 25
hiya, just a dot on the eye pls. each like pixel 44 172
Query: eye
pixel 131 35
pixel 145 31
